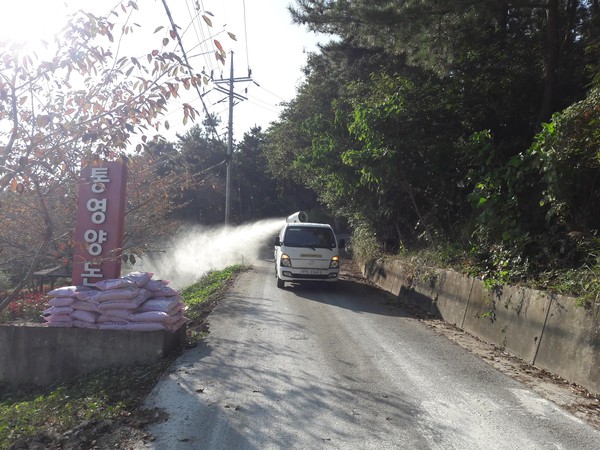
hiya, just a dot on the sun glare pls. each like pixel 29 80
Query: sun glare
pixel 27 22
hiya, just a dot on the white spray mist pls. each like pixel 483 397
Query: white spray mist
pixel 196 250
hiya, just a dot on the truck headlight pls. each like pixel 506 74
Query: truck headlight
pixel 334 263
pixel 285 261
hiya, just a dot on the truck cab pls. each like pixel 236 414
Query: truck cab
pixel 306 251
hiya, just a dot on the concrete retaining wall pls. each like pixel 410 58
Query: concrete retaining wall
pixel 44 355
pixel 547 331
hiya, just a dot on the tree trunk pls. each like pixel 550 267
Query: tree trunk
pixel 48 233
pixel 595 19
pixel 570 26
pixel 550 61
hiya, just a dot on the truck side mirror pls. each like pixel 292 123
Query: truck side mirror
pixel 276 241
pixel 342 243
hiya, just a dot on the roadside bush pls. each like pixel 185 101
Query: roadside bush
pixel 363 244
pixel 27 307
pixel 567 156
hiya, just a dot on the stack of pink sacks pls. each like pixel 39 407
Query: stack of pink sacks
pixel 133 302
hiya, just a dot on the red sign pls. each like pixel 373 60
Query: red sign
pixel 100 223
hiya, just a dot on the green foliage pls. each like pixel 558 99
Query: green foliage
pixel 198 295
pixel 374 113
pixel 566 153
pixel 501 232
pixel 583 283
pixel 387 130
pixel 446 255
pixel 203 157
pixel 363 244
pixel 255 191
pixel 258 193
pixel 536 211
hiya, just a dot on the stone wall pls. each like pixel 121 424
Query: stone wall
pixel 45 355
pixel 548 331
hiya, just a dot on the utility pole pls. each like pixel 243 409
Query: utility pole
pixel 232 95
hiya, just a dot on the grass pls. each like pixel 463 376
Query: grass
pixel 114 393
pixel 109 394
pixel 197 295
pixel 583 283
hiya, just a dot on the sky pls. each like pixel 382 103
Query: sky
pixel 266 42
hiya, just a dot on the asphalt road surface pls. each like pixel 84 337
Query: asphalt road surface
pixel 308 367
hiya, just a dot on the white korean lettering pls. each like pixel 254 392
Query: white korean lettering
pixel 95 249
pixel 98 218
pixel 90 272
pixel 98 188
pixel 100 175
pixel 95 239
pixel 98 208
pixel 94 204
pixel 99 179
pixel 99 236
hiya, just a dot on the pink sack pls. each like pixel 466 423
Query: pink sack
pixel 84 316
pixel 67 291
pixel 63 318
pixel 139 279
pixel 114 315
pixel 156 285
pixel 112 294
pixel 178 308
pixel 128 303
pixel 61 301
pixel 116 283
pixel 165 291
pixel 116 304
pixel 84 306
pixel 58 310
pixel 149 316
pixel 159 304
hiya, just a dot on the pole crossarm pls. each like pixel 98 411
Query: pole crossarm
pixel 235 80
pixel 228 90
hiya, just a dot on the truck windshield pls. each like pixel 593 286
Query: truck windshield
pixel 312 237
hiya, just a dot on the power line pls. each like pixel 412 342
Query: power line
pixel 203 40
pixel 189 67
pixel 269 92
pixel 246 37
pixel 192 24
pixel 263 104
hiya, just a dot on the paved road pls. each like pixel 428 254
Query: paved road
pixel 313 368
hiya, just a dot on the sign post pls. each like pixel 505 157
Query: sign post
pixel 100 226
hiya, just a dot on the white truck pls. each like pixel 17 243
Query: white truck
pixel 306 251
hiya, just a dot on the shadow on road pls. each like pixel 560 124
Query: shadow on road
pixel 258 374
